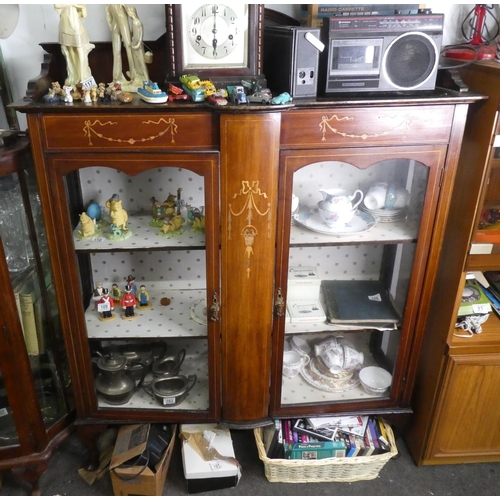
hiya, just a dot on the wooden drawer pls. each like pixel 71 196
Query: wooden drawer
pixel 373 126
pixel 131 132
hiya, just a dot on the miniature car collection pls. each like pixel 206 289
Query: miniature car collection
pixel 190 89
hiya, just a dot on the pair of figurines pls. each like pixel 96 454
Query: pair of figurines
pixel 131 300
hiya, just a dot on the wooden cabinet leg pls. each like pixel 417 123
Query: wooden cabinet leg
pixel 31 474
pixel 88 434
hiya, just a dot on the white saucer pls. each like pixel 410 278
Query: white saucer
pixel 311 219
pixel 198 312
pixel 334 386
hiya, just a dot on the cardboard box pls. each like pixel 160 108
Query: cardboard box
pixel 303 283
pixel 139 479
pixel 306 311
pixel 208 475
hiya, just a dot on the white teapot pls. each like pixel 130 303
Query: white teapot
pixel 337 208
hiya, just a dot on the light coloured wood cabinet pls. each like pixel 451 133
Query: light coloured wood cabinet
pixel 456 402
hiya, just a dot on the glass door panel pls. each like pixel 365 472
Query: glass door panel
pixel 140 244
pixel 351 284
pixel 8 430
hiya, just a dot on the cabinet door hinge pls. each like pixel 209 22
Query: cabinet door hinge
pixel 441 177
pixel 279 304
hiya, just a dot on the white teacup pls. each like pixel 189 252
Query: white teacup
pixel 336 219
pixel 293 362
pixel 402 198
pixel 375 197
pixel 300 345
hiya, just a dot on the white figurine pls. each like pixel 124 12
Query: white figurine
pixel 119 18
pixel 67 93
pixel 74 40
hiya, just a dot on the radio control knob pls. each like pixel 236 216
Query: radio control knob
pixel 302 74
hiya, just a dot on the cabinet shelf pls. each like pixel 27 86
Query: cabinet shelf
pixel 387 233
pixel 489 336
pixel 160 321
pixel 144 237
pixel 298 391
pixel 195 363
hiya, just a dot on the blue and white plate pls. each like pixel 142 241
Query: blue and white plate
pixel 311 219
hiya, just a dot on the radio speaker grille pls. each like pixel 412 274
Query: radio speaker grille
pixel 410 60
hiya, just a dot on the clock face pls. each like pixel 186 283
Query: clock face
pixel 215 35
pixel 214 31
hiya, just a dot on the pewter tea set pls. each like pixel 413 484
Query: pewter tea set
pixel 121 372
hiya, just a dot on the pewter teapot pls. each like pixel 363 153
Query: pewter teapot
pixel 113 384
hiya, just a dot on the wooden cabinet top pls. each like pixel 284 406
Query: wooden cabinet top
pixel 438 96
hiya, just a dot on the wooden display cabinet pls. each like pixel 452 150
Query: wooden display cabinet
pixel 456 398
pixel 242 164
pixel 36 404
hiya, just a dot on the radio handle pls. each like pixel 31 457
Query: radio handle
pixel 314 41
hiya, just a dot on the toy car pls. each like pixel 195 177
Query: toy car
pixel 262 97
pixel 283 98
pixel 238 95
pixel 217 100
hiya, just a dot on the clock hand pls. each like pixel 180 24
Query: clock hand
pixel 214 31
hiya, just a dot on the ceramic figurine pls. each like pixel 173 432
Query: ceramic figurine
pixel 101 93
pixel 172 226
pixel 86 96
pixel 93 94
pixel 105 306
pixel 97 293
pixel 77 92
pixel 198 225
pixel 131 284
pixel 126 28
pixel 74 40
pixel 143 298
pixel 89 227
pixel 67 94
pixel 55 93
pixel 170 205
pixel 128 303
pixel 138 53
pixel 119 217
pixel 157 212
pixel 115 292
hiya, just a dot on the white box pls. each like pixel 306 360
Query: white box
pixel 303 283
pixel 306 311
pixel 209 475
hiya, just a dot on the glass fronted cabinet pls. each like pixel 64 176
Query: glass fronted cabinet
pixel 353 249
pixel 32 353
pixel 141 251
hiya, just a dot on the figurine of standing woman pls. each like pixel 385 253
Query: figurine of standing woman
pixel 74 40
pixel 126 28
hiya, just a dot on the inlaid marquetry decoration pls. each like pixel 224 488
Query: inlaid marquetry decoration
pixel 102 130
pixel 250 202
pixel 328 124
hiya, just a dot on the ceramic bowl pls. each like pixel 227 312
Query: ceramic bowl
pixel 375 380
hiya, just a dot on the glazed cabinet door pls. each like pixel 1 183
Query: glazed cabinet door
pixel 354 232
pixel 138 275
pixel 35 387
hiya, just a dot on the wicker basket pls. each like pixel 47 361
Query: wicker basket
pixel 346 469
